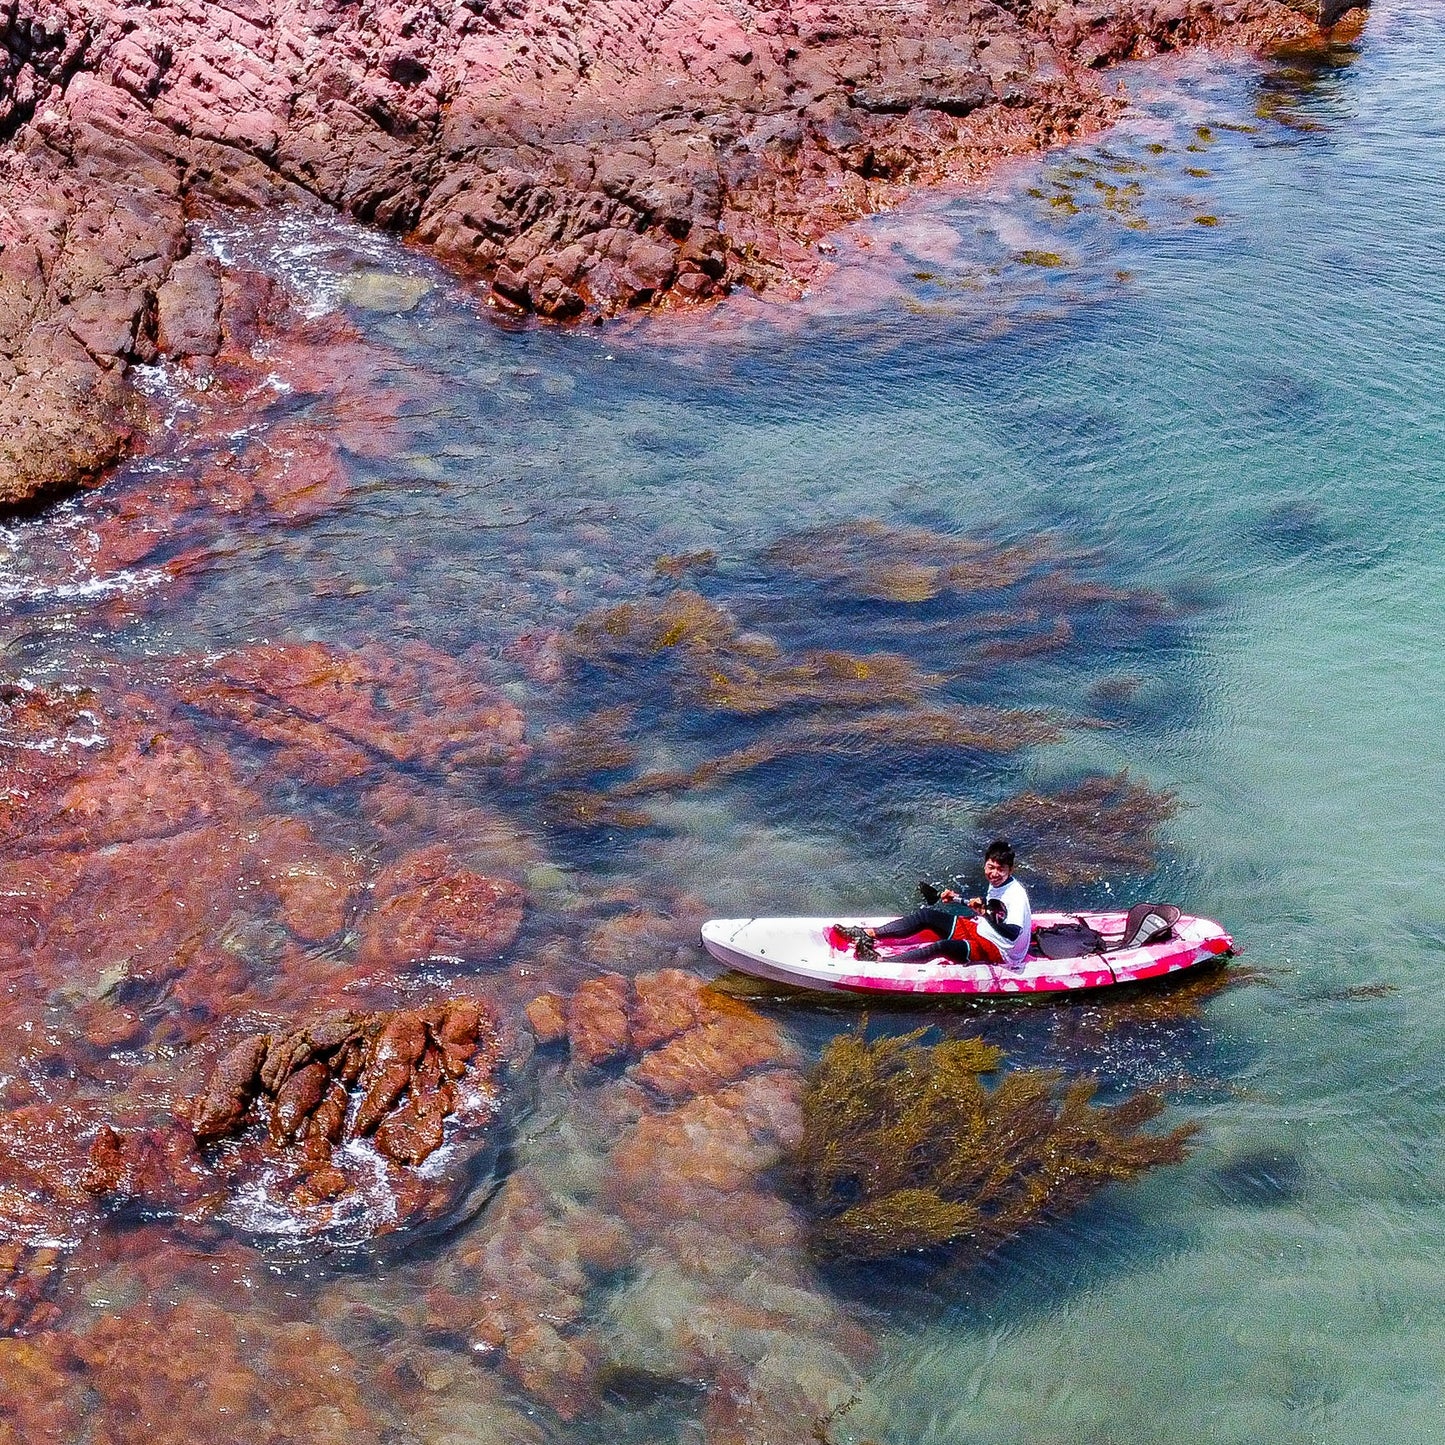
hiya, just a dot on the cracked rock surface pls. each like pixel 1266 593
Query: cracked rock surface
pixel 579 158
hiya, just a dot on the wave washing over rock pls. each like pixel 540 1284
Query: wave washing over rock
pixel 581 158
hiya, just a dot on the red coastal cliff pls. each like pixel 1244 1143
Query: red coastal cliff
pixel 580 158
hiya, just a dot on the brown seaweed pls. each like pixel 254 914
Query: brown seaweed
pixel 682 652
pixel 1102 827
pixel 910 734
pixel 591 808
pixel 905 1148
pixel 870 560
pixel 718 667
pixel 676 567
pixel 815 679
pixel 629 631
pixel 596 744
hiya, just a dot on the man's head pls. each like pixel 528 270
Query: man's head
pixel 998 862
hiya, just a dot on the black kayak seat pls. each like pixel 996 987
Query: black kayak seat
pixel 1067 940
pixel 1147 923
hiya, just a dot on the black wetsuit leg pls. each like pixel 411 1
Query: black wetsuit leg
pixel 956 950
pixel 936 920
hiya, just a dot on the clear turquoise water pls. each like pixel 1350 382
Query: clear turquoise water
pixel 1245 415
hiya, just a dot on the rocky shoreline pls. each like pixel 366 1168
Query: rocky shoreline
pixel 330 1084
pixel 577 160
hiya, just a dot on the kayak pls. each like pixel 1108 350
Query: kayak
pixel 812 953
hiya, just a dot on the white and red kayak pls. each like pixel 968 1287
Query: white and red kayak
pixel 812 953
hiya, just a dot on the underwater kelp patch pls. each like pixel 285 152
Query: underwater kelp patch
pixel 904 1147
pixel 873 561
pixel 737 680
pixel 1100 828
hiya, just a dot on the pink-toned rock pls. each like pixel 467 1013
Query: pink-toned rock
pixel 297 1100
pixel 638 940
pixel 520 1290
pixel 404 1079
pixel 731 1043
pixel 188 308
pixel 157 1165
pixel 714 1144
pixel 26 1275
pixel 427 907
pixel 597 1023
pixel 337 713
pixel 580 159
pixel 231 1089
pixel 412 1133
pixel 666 1003
pixel 547 1018
pixel 315 887
pixel 388 1071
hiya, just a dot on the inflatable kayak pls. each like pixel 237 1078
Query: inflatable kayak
pixel 814 953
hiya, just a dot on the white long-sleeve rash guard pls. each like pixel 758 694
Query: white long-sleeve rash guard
pixel 1017 913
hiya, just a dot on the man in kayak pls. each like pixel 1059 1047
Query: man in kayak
pixel 1000 934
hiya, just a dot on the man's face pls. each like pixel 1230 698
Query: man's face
pixel 997 873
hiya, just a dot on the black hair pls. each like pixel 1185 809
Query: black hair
pixel 1000 851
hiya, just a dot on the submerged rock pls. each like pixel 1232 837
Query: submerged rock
pixel 426 906
pixel 1264 1178
pixel 597 1023
pixel 26 1277
pixel 664 1253
pixel 274 1379
pixel 336 713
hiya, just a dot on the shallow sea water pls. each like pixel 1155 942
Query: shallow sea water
pixel 1222 386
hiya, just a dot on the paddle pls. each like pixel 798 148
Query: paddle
pixel 932 895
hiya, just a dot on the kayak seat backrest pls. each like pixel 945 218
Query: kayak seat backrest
pixel 1147 923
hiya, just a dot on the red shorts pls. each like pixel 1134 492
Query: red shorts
pixel 985 950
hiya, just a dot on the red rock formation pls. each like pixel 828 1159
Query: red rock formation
pixel 597 1025
pixel 336 713
pixel 716 1289
pixel 164 1372
pixel 426 906
pixel 583 158
pixel 295 1100
pixel 150 891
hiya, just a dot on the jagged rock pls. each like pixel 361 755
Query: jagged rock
pixel 582 160
pixel 396 1078
pixel 231 1089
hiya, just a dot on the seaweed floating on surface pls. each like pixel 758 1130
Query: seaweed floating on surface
pixel 905 1148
